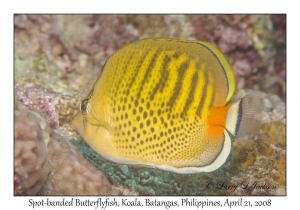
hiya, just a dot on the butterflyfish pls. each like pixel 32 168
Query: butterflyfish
pixel 166 103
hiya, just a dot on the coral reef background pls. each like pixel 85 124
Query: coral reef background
pixel 57 59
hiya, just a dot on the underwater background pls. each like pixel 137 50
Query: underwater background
pixel 56 62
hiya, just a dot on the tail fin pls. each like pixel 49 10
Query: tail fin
pixel 243 118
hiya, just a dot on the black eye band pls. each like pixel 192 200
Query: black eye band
pixel 85 102
pixel 83 106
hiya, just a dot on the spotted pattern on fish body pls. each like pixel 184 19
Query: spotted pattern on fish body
pixel 163 103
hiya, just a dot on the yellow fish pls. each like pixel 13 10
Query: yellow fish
pixel 165 103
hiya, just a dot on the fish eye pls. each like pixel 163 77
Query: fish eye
pixel 83 106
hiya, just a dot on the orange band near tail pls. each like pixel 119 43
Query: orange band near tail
pixel 217 116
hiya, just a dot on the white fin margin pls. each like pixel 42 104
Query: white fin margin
pixel 232 118
pixel 217 163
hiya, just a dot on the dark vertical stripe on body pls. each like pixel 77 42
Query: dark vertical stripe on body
pixel 165 77
pixel 204 92
pixel 136 71
pixel 178 83
pixel 125 67
pixel 149 69
pixel 213 91
pixel 164 74
pixel 224 70
pixel 193 87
